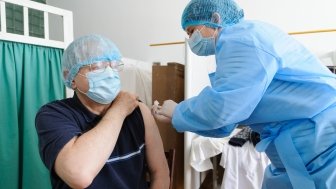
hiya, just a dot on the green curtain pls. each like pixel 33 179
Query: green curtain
pixel 30 76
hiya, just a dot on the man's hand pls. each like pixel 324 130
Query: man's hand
pixel 124 103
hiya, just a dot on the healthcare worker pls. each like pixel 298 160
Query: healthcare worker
pixel 265 79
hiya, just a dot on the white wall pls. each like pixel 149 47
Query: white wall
pixel 132 25
pixel 298 15
pixel 292 15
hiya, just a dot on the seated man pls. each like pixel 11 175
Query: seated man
pixel 101 137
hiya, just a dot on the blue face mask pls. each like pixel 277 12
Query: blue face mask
pixel 200 45
pixel 103 86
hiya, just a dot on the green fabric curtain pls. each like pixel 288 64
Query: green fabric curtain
pixel 30 76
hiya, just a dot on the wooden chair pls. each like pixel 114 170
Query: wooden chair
pixel 170 155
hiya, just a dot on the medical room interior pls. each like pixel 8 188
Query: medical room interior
pixel 158 65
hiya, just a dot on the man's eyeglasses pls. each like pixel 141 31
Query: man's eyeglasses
pixel 101 66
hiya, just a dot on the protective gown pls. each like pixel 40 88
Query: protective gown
pixel 267 80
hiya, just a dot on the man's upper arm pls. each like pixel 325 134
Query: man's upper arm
pixel 154 146
pixel 54 130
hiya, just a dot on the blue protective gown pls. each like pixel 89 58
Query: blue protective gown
pixel 267 80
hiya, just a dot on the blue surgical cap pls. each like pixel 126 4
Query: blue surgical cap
pixel 205 12
pixel 87 50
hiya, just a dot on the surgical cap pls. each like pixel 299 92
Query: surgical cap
pixel 87 50
pixel 201 12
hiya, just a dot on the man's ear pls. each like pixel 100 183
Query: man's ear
pixel 73 85
pixel 65 75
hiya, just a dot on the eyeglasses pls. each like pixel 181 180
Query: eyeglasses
pixel 101 66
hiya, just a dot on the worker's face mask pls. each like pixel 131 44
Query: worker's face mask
pixel 202 46
pixel 103 86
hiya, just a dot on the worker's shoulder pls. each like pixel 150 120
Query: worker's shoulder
pixel 250 28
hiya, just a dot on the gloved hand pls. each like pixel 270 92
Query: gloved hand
pixel 164 113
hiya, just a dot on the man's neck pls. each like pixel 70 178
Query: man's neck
pixel 92 106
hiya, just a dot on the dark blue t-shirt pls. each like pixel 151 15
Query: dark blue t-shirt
pixel 59 121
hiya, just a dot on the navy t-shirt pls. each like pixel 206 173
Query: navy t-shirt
pixel 59 121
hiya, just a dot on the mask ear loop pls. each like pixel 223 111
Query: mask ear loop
pixel 201 28
pixel 215 18
pixel 77 88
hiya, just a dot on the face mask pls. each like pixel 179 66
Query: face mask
pixel 104 86
pixel 202 46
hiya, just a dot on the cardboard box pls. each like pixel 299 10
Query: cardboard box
pixel 168 83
